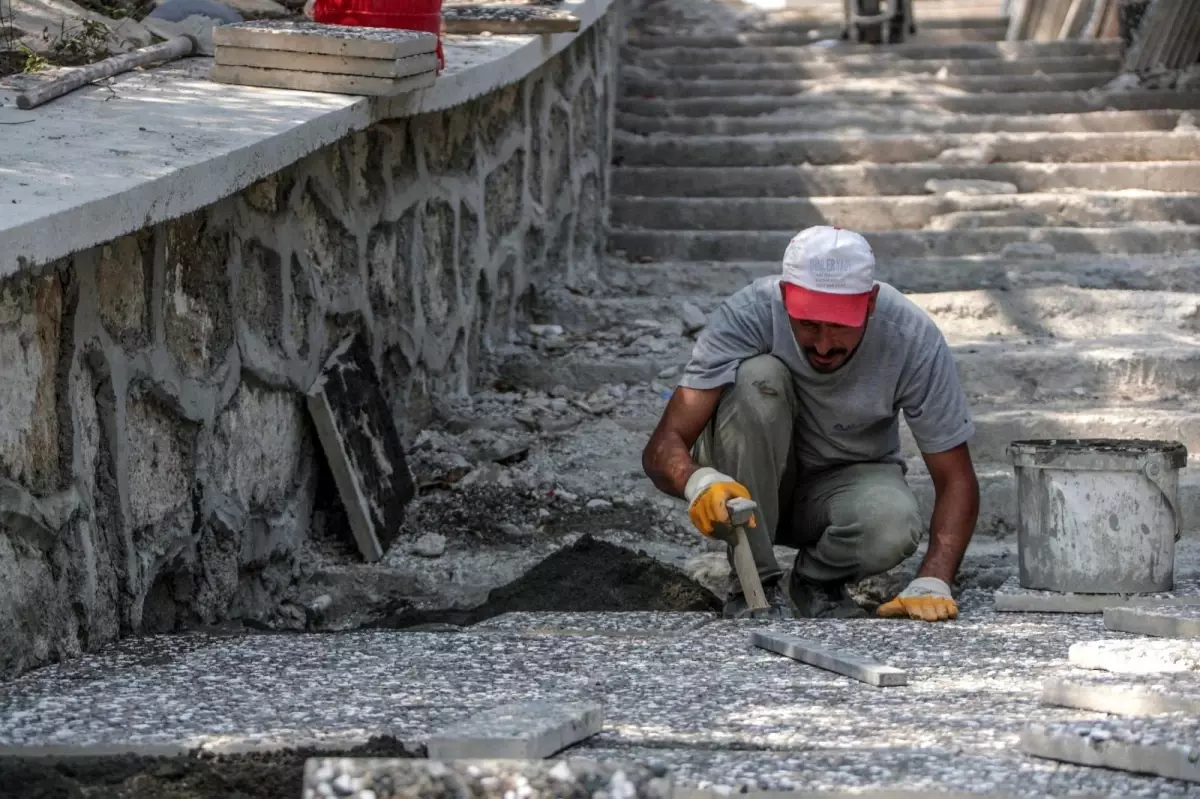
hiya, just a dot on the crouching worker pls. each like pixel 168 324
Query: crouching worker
pixel 791 398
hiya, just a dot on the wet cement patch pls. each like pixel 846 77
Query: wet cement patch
pixel 589 576
pixel 269 775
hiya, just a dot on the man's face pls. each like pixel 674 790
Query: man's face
pixel 828 346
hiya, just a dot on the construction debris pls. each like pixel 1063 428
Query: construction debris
pixel 340 59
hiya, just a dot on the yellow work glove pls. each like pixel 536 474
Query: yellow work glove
pixel 707 491
pixel 926 598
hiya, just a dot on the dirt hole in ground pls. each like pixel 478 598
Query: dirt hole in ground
pixel 589 576
pixel 274 775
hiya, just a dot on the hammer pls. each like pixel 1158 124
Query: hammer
pixel 740 511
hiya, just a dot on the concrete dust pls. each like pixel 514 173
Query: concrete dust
pixel 274 775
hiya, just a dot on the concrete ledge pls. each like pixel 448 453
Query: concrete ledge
pixel 103 162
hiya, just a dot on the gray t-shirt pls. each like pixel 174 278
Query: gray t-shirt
pixel 851 415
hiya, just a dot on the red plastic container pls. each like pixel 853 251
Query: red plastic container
pixel 409 15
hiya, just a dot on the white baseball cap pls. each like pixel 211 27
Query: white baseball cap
pixel 828 275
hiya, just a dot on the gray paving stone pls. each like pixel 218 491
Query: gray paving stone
pixel 1166 622
pixel 1137 655
pixel 1011 597
pixel 302 36
pixel 1164 746
pixel 844 663
pixel 562 778
pixel 1126 694
pixel 522 731
pixel 640 623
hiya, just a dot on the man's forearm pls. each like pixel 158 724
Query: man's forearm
pixel 955 511
pixel 668 463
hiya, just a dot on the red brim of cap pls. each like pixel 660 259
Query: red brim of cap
pixel 849 310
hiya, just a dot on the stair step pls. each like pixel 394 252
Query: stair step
pixel 762 245
pixel 859 66
pixel 995 103
pixel 700 50
pixel 899 120
pixel 1175 272
pixel 633 86
pixel 930 38
pixel 865 180
pixel 819 150
pixel 1086 209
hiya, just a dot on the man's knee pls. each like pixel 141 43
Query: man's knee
pixel 891 528
pixel 763 387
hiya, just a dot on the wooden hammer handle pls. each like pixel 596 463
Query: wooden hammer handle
pixel 747 571
pixel 177 47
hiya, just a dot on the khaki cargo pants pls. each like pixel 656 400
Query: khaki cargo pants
pixel 848 523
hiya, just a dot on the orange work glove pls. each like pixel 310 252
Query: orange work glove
pixel 926 598
pixel 707 491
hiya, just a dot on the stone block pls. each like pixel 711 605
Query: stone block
pixel 1165 746
pixel 330 246
pixel 1126 694
pixel 302 36
pixel 843 663
pixel 320 81
pixel 523 731
pixel 1136 655
pixel 504 197
pixel 1165 622
pixel 197 317
pixel 123 269
pixel 260 293
pixel 567 778
pixel 160 450
pixel 31 314
pixel 1011 597
pixel 356 430
pixel 261 443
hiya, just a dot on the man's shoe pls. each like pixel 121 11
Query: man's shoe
pixel 823 601
pixel 736 607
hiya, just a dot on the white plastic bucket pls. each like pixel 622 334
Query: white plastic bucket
pixel 1097 516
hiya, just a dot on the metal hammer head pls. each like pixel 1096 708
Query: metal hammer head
pixel 740 510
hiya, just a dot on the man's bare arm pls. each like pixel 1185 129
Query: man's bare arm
pixel 955 511
pixel 667 458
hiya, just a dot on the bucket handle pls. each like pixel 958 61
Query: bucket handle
pixel 1152 468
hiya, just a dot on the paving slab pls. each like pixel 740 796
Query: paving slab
pixel 302 36
pixel 339 65
pixel 560 778
pixel 1137 655
pixel 839 662
pixel 1168 622
pixel 637 624
pixel 522 731
pixel 1165 746
pixel 321 82
pixel 1013 598
pixel 357 432
pixel 1126 694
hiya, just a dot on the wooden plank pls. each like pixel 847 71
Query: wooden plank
pixel 358 436
pixel 320 82
pixel 328 64
pixel 339 40
pixel 813 654
pixel 505 19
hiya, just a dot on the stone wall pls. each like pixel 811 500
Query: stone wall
pixel 158 467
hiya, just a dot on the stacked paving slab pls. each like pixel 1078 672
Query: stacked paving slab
pixel 1048 225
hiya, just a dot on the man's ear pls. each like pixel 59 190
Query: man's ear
pixel 871 303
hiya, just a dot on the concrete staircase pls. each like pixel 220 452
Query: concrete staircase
pixel 1049 226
